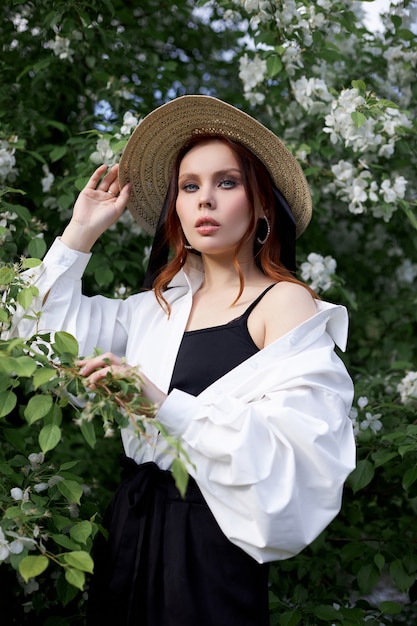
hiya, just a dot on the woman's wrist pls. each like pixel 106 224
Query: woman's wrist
pixel 77 237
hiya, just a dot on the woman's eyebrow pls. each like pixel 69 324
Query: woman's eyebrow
pixel 223 172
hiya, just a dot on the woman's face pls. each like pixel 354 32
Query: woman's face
pixel 211 204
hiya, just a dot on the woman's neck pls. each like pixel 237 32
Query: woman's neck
pixel 221 273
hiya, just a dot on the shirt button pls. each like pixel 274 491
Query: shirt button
pixel 293 340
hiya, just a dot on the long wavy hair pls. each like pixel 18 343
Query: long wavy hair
pixel 259 190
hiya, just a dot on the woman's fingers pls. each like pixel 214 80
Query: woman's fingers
pixel 95 177
pixel 110 182
pixel 106 360
pixel 110 185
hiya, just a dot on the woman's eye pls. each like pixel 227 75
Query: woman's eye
pixel 228 183
pixel 189 187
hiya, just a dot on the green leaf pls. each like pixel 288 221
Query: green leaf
pixel 7 275
pixel 32 566
pixel 61 522
pixel 396 20
pixel 49 437
pixel 359 84
pixel 37 408
pixel 409 477
pixel 290 618
pixel 406 34
pixel 399 575
pixel 25 297
pixel 327 613
pixel 273 65
pixel 391 608
pixel 405 449
pixel 358 118
pixel 180 474
pixel 12 512
pixel 104 276
pixel 68 465
pixel 64 343
pixel 362 475
pixel 24 366
pixel 8 401
pixel 66 593
pixel 64 540
pixel 43 375
pixel 37 247
pixel 89 433
pixel 57 153
pixel 71 490
pixel 379 561
pixel 367 577
pixel 75 577
pixel 381 457
pixel 81 532
pixel 80 560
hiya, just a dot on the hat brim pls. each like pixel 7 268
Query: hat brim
pixel 150 153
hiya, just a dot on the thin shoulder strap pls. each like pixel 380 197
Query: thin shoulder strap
pixel 255 302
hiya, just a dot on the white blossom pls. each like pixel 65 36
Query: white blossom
pixel 372 422
pixel 353 414
pixel 19 542
pixel 6 222
pixel 4 546
pixel 7 159
pixel 18 494
pixel 20 23
pixel 312 94
pixel 47 180
pixel 103 153
pixel 357 187
pixel 36 459
pixel 406 272
pixel 251 71
pixel 392 191
pixel 374 134
pixel 31 586
pixel 407 388
pixel 60 46
pixel 129 123
pixel 292 57
pixel 362 402
pixel 39 487
pixel 254 97
pixel 318 271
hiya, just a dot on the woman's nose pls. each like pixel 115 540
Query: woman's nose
pixel 205 199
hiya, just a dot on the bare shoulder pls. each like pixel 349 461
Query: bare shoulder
pixel 284 307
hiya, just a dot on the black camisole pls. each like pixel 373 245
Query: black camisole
pixel 206 354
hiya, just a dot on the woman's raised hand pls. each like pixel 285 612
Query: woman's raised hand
pixel 98 206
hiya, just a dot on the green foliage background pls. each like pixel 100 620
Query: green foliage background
pixel 132 56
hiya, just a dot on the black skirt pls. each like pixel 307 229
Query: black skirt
pixel 167 563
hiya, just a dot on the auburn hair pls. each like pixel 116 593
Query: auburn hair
pixel 258 186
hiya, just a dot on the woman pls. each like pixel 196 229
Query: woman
pixel 235 353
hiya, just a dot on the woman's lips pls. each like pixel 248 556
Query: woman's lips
pixel 206 226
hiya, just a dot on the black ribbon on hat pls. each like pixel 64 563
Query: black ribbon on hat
pixel 158 257
pixel 285 223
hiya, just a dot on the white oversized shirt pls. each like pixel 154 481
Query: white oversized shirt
pixel 271 442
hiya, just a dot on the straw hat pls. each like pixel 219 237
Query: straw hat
pixel 149 156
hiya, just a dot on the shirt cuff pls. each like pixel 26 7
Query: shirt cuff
pixel 74 262
pixel 177 412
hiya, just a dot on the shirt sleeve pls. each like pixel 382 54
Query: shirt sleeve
pixel 96 322
pixel 272 455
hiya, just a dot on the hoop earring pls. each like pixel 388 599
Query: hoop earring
pixel 268 231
